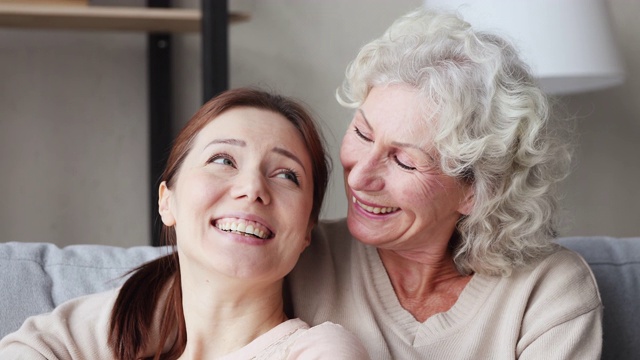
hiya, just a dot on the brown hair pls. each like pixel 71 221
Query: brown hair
pixel 133 313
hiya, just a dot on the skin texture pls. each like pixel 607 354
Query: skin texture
pixel 389 163
pixel 246 165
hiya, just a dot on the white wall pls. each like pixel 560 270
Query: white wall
pixel 603 192
pixel 73 137
pixel 73 134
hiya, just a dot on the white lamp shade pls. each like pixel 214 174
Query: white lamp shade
pixel 567 43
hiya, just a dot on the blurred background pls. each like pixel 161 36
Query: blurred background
pixel 74 120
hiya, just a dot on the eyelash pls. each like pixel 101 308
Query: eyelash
pixel 295 177
pixel 395 158
pixel 294 174
pixel 403 166
pixel 222 156
pixel 361 135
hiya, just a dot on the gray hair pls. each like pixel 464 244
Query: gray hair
pixel 492 131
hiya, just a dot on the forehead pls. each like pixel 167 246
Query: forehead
pixel 258 127
pixel 399 112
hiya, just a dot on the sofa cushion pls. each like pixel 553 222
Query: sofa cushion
pixel 36 277
pixel 615 262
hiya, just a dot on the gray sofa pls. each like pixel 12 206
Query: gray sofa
pixel 36 277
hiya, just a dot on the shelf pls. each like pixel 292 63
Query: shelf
pixel 211 21
pixel 104 18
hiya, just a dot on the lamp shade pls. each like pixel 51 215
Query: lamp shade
pixel 568 44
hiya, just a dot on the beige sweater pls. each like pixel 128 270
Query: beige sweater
pixel 78 329
pixel 549 311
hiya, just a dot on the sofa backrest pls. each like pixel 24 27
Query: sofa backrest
pixel 36 277
pixel 615 262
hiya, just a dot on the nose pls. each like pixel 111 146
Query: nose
pixel 366 173
pixel 251 186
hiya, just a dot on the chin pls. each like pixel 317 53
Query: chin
pixel 360 231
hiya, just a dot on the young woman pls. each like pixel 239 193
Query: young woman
pixel 241 192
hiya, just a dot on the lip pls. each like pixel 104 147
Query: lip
pixel 250 240
pixel 357 207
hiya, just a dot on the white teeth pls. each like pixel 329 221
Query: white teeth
pixel 374 210
pixel 241 226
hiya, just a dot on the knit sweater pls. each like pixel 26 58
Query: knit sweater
pixel 549 310
pixel 78 329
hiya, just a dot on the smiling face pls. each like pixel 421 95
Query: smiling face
pixel 243 197
pixel 399 199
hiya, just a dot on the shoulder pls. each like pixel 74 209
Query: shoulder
pixel 326 270
pixel 78 326
pixel 330 231
pixel 562 273
pixel 561 288
pixel 328 341
pixel 330 247
pixel 566 269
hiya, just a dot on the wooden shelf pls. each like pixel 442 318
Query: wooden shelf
pixel 104 18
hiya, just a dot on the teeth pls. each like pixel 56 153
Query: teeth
pixel 248 228
pixel 374 210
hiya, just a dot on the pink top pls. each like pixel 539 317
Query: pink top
pixel 293 339
pixel 78 329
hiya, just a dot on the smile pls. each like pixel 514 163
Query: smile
pixel 243 227
pixel 372 209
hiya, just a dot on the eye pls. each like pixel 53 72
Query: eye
pixel 361 135
pixel 290 175
pixel 401 164
pixel 222 159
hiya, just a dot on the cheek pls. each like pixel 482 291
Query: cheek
pixel 296 210
pixel 200 192
pixel 435 191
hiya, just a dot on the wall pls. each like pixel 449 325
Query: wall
pixel 602 194
pixel 73 137
pixel 73 129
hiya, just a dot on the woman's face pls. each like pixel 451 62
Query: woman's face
pixel 243 196
pixel 398 198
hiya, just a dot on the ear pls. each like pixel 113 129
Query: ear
pixel 165 195
pixel 307 238
pixel 466 205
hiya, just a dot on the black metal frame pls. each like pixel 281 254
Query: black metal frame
pixel 215 79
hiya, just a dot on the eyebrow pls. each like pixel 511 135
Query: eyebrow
pixel 242 143
pixel 364 117
pixel 235 142
pixel 397 143
pixel 290 155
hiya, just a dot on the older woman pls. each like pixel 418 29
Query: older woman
pixel 447 250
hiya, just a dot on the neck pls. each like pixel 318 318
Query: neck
pixel 425 283
pixel 223 316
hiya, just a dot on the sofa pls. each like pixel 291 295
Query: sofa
pixel 36 277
